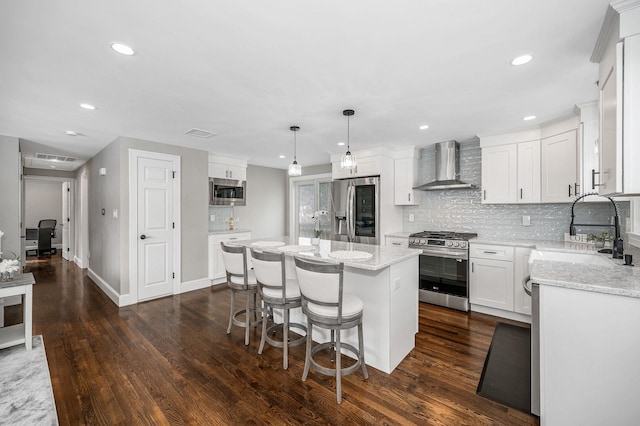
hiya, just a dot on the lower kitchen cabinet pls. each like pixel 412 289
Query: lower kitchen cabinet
pixel 495 280
pixel 397 241
pixel 216 265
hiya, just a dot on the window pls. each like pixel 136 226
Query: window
pixel 310 194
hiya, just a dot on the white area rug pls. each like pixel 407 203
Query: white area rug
pixel 26 395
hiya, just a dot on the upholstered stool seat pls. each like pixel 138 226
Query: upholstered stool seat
pixel 241 280
pixel 326 306
pixel 277 292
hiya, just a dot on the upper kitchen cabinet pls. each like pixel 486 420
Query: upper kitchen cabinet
pixel 589 148
pixel 406 177
pixel 559 161
pixel 511 168
pixel 369 162
pixel 227 168
pixel 617 51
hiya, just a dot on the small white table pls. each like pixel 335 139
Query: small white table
pixel 18 333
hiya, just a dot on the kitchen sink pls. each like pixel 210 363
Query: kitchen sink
pixel 571 257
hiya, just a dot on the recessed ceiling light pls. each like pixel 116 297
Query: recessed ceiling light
pixel 87 106
pixel 529 117
pixel 424 127
pixel 282 156
pixel 521 60
pixel 122 49
pixel 72 133
pixel 340 143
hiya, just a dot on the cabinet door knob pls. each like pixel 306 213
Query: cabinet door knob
pixel 142 237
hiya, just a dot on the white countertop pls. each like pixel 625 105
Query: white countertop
pixel 381 256
pixel 614 279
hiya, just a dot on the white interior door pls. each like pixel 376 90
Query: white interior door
pixel 155 226
pixel 65 224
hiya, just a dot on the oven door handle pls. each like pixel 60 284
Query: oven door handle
pixel 437 253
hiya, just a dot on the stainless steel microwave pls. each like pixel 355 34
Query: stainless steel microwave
pixel 227 192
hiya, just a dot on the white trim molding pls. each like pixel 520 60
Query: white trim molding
pixel 198 284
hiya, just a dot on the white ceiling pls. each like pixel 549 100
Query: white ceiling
pixel 247 70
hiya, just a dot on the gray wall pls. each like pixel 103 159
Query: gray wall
pixel 10 170
pixel 109 238
pixel 264 214
pixel 462 210
pixel 43 200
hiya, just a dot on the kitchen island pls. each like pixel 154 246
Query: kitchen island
pixel 385 278
pixel 589 318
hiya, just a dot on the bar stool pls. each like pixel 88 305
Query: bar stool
pixel 241 280
pixel 277 291
pixel 325 306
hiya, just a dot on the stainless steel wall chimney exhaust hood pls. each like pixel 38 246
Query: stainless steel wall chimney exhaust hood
pixel 447 169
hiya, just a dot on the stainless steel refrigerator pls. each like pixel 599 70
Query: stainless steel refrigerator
pixel 356 210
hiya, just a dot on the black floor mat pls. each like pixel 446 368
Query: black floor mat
pixel 506 376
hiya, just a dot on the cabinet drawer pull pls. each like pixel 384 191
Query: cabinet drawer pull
pixel 484 194
pixel 490 252
pixel 569 190
pixel 233 238
pixel 521 193
pixel 397 244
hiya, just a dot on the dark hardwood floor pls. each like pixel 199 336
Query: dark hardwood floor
pixel 170 361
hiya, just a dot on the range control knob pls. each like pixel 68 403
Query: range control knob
pixel 423 241
pixel 456 244
pixel 449 243
pixel 463 244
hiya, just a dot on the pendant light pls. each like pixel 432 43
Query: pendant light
pixel 348 159
pixel 294 168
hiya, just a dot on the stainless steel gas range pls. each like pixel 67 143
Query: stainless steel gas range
pixel 444 267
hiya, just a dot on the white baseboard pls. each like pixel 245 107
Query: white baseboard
pixel 105 287
pixel 500 313
pixel 195 284
pixel 78 262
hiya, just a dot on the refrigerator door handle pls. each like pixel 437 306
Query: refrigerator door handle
pixel 350 219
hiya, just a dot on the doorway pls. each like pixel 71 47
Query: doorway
pixel 47 197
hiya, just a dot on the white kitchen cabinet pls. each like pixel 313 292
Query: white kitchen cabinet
pixel 521 300
pixel 589 147
pixel 216 265
pixel 618 53
pixel 495 280
pixel 589 349
pixel 405 179
pixel 491 276
pixel 559 168
pixel 397 241
pixel 499 174
pixel 365 166
pixel 511 173
pixel 227 168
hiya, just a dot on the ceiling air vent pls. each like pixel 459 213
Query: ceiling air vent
pixel 199 133
pixel 53 157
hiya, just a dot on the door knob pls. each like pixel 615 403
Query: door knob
pixel 142 237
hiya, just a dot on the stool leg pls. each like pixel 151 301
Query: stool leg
pixel 361 354
pixel 285 339
pixel 255 304
pixel 233 299
pixel 338 368
pixel 307 358
pixel 247 319
pixel 265 316
pixel 332 350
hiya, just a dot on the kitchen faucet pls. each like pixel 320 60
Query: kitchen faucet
pixel 618 249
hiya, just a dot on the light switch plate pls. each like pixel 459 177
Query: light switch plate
pixel 526 220
pixel 411 217
pixel 212 218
